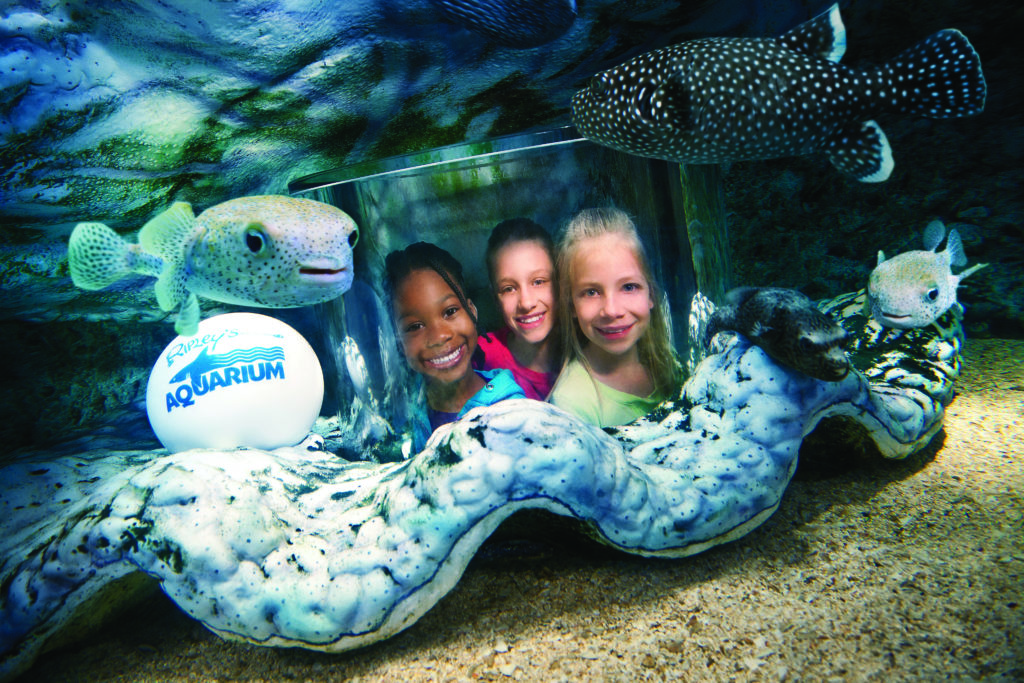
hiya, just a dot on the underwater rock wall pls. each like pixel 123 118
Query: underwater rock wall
pixel 114 110
pixel 297 547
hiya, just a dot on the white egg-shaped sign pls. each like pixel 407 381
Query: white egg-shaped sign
pixel 243 380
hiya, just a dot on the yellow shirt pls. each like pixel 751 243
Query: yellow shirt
pixel 597 403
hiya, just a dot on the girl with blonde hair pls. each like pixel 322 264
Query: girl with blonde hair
pixel 619 361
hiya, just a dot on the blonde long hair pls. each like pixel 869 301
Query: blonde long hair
pixel 654 347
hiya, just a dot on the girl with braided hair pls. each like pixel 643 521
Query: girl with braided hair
pixel 437 325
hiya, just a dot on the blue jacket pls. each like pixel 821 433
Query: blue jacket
pixel 500 385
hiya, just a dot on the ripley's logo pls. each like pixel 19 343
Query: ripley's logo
pixel 209 372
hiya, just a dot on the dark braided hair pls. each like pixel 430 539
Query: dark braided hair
pixel 516 230
pixel 426 256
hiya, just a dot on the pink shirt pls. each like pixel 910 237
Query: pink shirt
pixel 493 353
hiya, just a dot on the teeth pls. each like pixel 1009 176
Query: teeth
pixel 531 319
pixel 444 360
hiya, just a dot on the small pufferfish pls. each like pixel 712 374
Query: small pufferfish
pixel 914 288
pixel 267 251
pixel 714 100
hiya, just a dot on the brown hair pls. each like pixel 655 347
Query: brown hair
pixel 516 230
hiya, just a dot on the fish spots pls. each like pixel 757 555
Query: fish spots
pixel 269 251
pixel 768 98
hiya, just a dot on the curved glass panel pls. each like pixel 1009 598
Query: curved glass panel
pixel 454 196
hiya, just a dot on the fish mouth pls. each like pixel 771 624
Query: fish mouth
pixel 895 320
pixel 889 318
pixel 319 273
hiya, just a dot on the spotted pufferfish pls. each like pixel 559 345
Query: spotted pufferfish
pixel 788 327
pixel 714 100
pixel 267 251
pixel 915 288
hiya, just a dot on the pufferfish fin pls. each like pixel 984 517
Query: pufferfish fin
pixel 933 235
pixel 881 257
pixel 955 249
pixel 759 330
pixel 823 36
pixel 167 234
pixel 860 149
pixel 170 287
pixel 188 317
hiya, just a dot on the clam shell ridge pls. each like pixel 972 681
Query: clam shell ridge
pixel 297 547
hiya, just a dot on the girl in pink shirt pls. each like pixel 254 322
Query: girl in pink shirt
pixel 521 266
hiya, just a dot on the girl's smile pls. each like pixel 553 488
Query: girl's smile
pixel 448 360
pixel 524 283
pixel 438 337
pixel 610 295
pixel 613 333
pixel 530 322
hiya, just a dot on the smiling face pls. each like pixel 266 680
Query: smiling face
pixel 524 284
pixel 438 334
pixel 611 297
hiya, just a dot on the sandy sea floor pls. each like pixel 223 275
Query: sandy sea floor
pixel 870 570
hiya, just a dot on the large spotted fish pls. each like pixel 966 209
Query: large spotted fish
pixel 714 100
pixel 267 251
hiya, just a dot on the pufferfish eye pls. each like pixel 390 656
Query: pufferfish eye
pixel 353 237
pixel 255 238
pixel 933 294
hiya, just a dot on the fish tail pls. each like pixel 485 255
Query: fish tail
pixel 98 257
pixel 955 249
pixel 940 78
